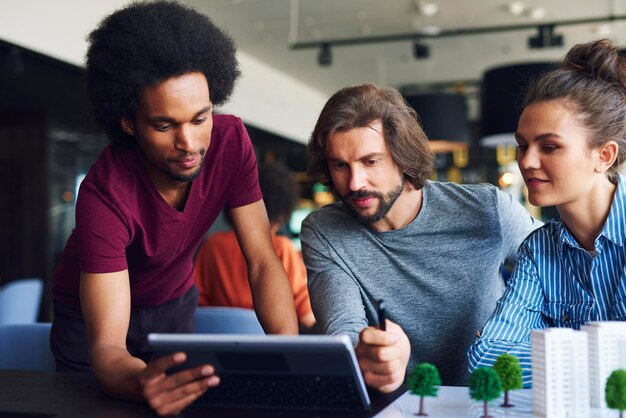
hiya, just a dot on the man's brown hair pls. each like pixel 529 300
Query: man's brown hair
pixel 357 107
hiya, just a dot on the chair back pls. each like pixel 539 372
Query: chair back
pixel 20 301
pixel 26 347
pixel 225 320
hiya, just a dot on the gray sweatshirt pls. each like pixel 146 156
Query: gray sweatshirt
pixel 439 276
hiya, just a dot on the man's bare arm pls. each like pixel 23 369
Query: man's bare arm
pixel 271 292
pixel 105 302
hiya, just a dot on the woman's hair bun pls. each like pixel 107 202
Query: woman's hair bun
pixel 599 59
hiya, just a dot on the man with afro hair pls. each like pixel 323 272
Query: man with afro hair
pixel 155 70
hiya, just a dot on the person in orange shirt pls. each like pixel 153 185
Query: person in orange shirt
pixel 221 273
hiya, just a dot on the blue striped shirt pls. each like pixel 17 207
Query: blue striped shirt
pixel 557 283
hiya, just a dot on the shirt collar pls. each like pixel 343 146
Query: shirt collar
pixel 565 237
pixel 614 227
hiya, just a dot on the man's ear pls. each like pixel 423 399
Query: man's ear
pixel 127 125
pixel 607 153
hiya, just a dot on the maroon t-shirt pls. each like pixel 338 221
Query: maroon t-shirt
pixel 122 222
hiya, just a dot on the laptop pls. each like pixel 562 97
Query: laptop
pixel 283 372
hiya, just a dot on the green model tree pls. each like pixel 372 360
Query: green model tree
pixel 510 374
pixel 423 381
pixel 615 391
pixel 484 385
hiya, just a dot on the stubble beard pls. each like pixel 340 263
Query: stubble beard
pixel 386 202
pixel 183 178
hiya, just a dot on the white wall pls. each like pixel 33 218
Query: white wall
pixel 264 97
pixel 269 99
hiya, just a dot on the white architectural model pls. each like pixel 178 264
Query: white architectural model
pixel 607 352
pixel 560 364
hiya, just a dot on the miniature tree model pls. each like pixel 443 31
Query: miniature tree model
pixel 615 391
pixel 510 374
pixel 484 385
pixel 423 381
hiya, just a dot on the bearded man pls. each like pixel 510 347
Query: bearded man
pixel 432 251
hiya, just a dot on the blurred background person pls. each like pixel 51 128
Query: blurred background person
pixel 221 273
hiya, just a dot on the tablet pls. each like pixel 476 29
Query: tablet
pixel 273 371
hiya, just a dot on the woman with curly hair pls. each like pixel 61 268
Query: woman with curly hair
pixel 155 71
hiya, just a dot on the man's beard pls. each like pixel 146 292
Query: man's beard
pixel 386 202
pixel 183 177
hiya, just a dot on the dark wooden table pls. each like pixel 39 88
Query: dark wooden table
pixel 29 394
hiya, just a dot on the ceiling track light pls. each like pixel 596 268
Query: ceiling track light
pixel 516 8
pixel 420 50
pixel 545 38
pixel 325 56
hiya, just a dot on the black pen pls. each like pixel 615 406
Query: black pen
pixel 381 315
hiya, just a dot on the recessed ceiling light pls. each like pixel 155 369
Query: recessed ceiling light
pixel 516 8
pixel 427 8
pixel 537 13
